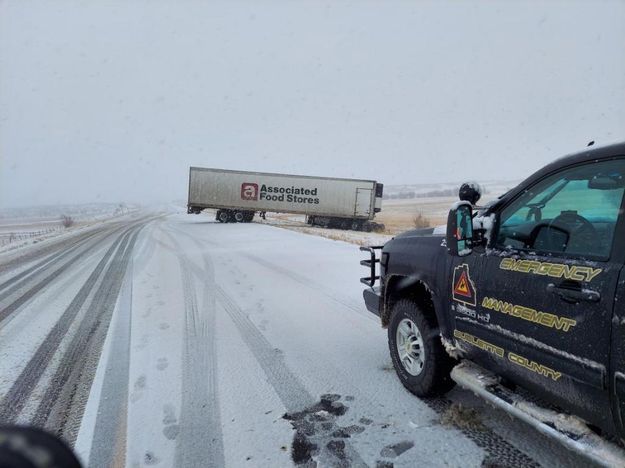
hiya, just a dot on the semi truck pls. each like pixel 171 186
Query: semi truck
pixel 326 201
pixel 523 295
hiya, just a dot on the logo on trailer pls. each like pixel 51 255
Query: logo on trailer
pixel 249 191
pixel 463 288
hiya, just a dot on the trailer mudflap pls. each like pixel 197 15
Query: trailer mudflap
pixel 569 430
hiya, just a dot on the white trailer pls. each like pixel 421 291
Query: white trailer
pixel 326 201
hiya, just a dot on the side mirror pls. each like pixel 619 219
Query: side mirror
pixel 460 229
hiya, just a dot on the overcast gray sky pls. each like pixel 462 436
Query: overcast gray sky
pixel 113 101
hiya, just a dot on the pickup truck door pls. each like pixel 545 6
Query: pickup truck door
pixel 546 284
pixel 617 371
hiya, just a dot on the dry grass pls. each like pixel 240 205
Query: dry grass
pixel 399 215
pixel 67 221
pixel 461 417
pixel 420 221
pixel 353 237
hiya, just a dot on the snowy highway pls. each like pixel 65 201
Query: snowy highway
pixel 173 340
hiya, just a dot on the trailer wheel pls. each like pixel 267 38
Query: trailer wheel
pixel 419 359
pixel 239 217
pixel 248 216
pixel 356 225
pixel 223 216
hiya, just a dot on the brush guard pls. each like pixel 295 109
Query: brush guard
pixel 370 263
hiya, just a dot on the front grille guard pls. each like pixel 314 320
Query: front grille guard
pixel 370 263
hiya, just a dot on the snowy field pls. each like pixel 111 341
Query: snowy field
pixel 178 341
pixel 31 225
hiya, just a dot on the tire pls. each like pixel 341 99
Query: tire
pixel 356 226
pixel 239 216
pixel 223 216
pixel 429 374
pixel 248 217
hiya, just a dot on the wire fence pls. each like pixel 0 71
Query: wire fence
pixel 10 237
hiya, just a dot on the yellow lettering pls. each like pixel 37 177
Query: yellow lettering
pixel 479 343
pixel 592 273
pixel 546 319
pixel 578 273
pixel 527 313
pixel 506 264
pixel 543 269
pixel 533 266
pixel 533 366
pixel 556 270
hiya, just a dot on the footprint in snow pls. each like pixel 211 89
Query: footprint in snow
pixel 395 450
pixel 140 383
pixel 150 459
pixel 171 429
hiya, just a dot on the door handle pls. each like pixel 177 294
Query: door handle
pixel 574 294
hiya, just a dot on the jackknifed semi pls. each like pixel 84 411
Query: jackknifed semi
pixel 326 201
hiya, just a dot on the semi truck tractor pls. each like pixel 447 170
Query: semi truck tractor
pixel 325 201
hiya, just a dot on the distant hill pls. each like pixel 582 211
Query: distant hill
pixel 492 189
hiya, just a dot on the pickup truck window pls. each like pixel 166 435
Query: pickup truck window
pixel 571 212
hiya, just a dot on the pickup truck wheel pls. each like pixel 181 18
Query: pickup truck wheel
pixel 418 355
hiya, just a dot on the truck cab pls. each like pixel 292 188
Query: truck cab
pixel 529 289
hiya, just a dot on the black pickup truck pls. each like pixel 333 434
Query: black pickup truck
pixel 526 293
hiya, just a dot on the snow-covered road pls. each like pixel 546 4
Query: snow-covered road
pixel 177 341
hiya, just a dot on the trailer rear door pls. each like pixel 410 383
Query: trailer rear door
pixel 363 202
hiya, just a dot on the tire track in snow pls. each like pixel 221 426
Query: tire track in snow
pixel 15 399
pixel 6 312
pixel 12 282
pixel 108 440
pixel 200 440
pixel 290 390
pixel 18 259
pixel 294 396
pixel 498 451
pixel 61 407
pixel 292 393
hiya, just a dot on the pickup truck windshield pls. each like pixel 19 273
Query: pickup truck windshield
pixel 568 212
